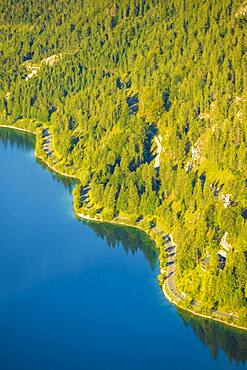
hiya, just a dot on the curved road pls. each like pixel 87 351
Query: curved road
pixel 171 285
pixel 157 140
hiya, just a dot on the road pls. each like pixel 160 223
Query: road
pixel 157 140
pixel 171 285
pixel 171 270
pixel 46 142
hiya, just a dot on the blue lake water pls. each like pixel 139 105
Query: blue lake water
pixel 79 295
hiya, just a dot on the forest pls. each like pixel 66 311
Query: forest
pixel 107 80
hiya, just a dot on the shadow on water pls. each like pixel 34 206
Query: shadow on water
pixel 132 240
pixel 217 337
pixel 17 139
pixel 26 141
pixel 67 182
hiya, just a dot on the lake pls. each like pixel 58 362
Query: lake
pixel 81 295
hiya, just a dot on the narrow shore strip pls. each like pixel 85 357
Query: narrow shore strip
pixel 18 128
pixel 170 297
pixel 172 300
pixel 55 169
pixel 37 156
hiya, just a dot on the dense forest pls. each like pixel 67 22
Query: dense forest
pixel 145 101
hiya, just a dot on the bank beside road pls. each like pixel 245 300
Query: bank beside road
pixel 18 128
pixel 169 286
pixel 174 296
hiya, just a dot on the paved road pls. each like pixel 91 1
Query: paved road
pixel 171 286
pixel 171 270
pixel 159 150
pixel 46 142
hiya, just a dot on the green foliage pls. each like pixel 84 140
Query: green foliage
pixel 124 72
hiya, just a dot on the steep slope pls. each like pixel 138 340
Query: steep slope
pixel 123 73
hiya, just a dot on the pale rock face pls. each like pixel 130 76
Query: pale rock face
pixel 158 140
pixel 226 246
pixel 53 59
pixel 32 71
pixel 224 243
pixel 222 253
pixel 242 11
pixel 189 167
pixel 196 153
pixel 226 200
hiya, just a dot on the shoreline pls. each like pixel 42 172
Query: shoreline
pixel 54 168
pixel 204 316
pixel 168 296
pixel 18 129
pixel 86 217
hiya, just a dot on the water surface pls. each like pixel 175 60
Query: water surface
pixel 79 295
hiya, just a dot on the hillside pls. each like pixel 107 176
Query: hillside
pixel 111 85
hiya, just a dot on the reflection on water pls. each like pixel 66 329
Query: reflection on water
pixel 67 182
pixel 132 240
pixel 217 337
pixel 17 139
pixel 25 140
pixel 43 263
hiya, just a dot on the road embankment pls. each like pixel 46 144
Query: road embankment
pixel 169 288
